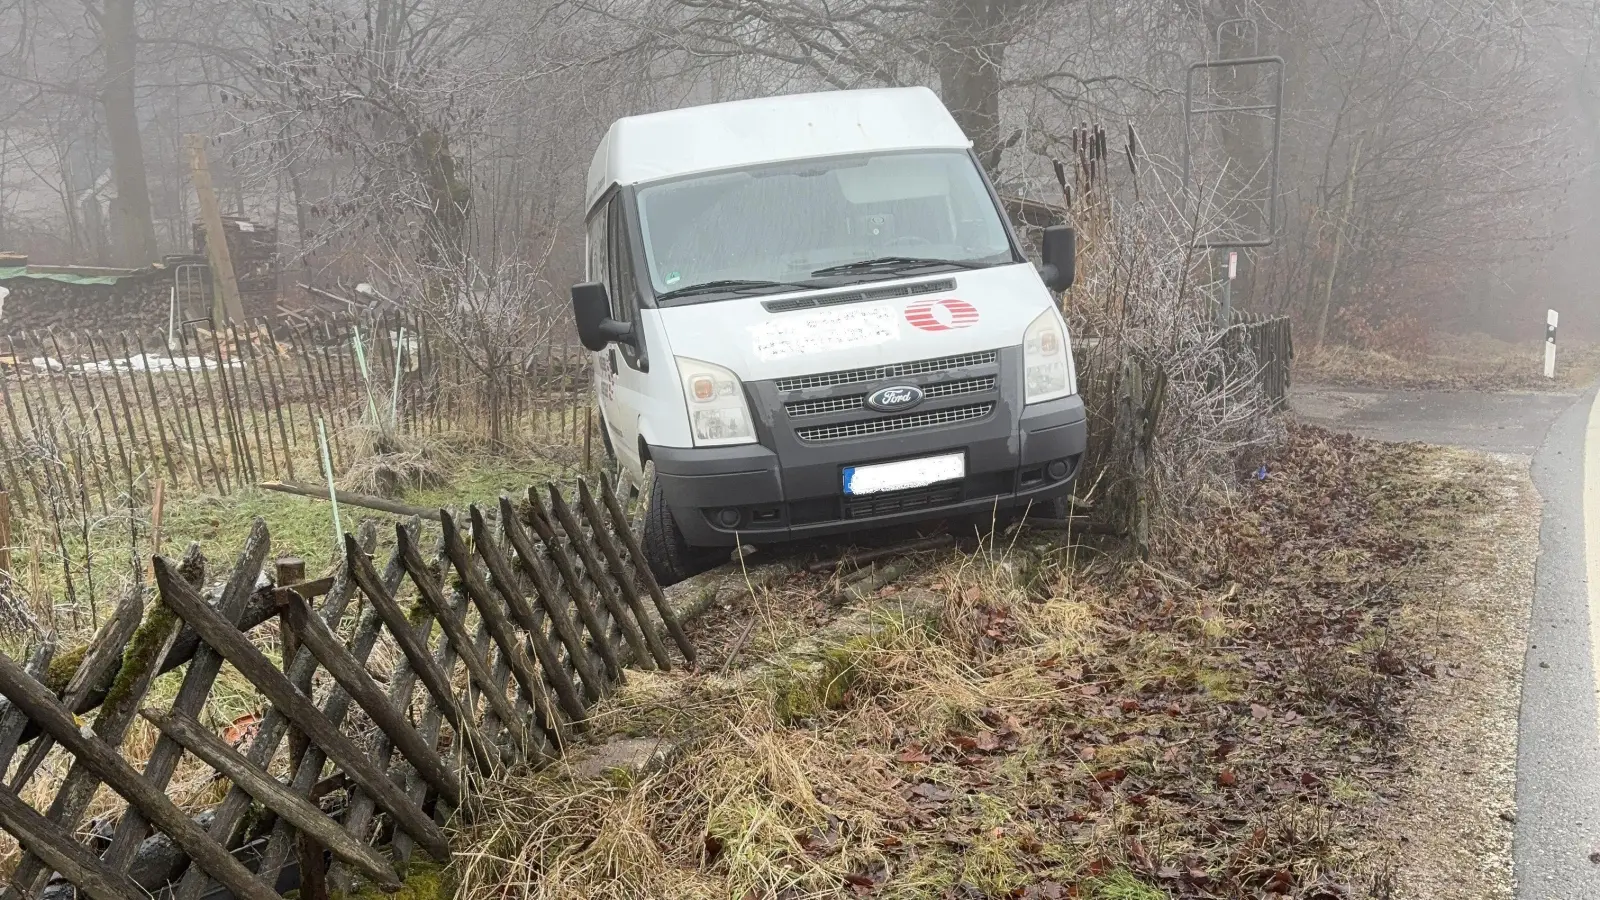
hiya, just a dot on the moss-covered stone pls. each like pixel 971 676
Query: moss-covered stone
pixel 425 880
pixel 811 686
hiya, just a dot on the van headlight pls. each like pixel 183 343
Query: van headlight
pixel 717 411
pixel 1047 360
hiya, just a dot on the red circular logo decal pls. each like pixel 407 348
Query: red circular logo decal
pixel 942 315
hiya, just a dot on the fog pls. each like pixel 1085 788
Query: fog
pixel 1435 168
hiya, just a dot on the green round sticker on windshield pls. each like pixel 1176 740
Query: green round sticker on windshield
pixel 674 277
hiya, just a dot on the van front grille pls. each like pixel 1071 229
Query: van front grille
pixel 848 430
pixel 887 504
pixel 960 388
pixel 824 407
pixel 881 373
pixel 833 405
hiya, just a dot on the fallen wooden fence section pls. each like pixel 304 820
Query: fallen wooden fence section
pixel 506 635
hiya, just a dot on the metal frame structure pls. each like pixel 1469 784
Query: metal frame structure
pixel 1276 109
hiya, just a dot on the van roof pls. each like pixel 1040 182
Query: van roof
pixel 745 133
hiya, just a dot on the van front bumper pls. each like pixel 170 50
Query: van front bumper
pixel 768 499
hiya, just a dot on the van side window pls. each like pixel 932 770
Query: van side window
pixel 624 289
pixel 599 268
pixel 619 278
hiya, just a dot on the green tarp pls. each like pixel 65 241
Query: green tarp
pixel 10 272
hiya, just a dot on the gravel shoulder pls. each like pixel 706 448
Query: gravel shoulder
pixel 1448 829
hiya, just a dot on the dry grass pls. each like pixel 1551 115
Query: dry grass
pixel 387 464
pixel 1016 722
pixel 1453 362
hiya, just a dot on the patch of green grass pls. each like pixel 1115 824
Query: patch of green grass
pixel 482 479
pixel 299 526
pixel 1122 885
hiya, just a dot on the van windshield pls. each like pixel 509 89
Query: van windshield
pixel 819 222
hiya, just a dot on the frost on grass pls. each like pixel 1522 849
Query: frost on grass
pixel 1061 725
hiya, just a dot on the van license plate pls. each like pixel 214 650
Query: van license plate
pixel 904 475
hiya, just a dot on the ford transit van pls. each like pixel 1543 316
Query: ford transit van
pixel 810 316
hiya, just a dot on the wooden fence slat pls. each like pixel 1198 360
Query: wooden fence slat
pixel 188 413
pixel 259 609
pixel 250 662
pixel 77 789
pixel 38 434
pixel 274 369
pixel 12 719
pixel 557 610
pixel 501 630
pixel 107 762
pixel 350 675
pixel 129 459
pixel 316 392
pixel 211 749
pixel 431 675
pixel 225 471
pixel 622 527
pixel 99 662
pixel 403 682
pixel 336 706
pixel 592 565
pixel 127 411
pixel 154 405
pixel 250 370
pixel 431 594
pixel 62 853
pixel 11 486
pixel 483 648
pixel 16 429
pixel 505 580
pixel 599 632
pixel 233 408
pixel 622 574
pixel 79 419
pixel 204 667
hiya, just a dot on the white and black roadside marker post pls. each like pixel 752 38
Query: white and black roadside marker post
pixel 1550 344
pixel 1227 288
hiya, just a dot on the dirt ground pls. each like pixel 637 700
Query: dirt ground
pixel 1309 698
pixel 1448 824
pixel 1472 362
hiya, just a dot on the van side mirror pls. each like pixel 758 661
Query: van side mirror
pixel 591 310
pixel 1059 253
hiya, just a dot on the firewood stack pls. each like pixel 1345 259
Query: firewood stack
pixel 137 302
pixel 254 249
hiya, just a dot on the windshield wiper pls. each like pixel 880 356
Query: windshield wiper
pixel 894 264
pixel 732 286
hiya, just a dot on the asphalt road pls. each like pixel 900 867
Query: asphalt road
pixel 1558 748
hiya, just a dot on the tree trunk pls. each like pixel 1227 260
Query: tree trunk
pixel 969 75
pixel 134 230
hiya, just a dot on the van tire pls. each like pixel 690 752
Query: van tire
pixel 669 556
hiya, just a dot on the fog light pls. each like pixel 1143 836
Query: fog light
pixel 728 518
pixel 1057 470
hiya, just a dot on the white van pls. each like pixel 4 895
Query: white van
pixel 811 316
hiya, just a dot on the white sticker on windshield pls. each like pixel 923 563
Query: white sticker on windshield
pixel 818 331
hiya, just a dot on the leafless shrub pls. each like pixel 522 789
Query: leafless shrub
pixel 1175 406
pixel 497 313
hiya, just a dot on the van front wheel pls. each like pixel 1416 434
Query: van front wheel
pixel 670 558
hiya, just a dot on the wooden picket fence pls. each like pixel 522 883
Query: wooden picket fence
pixel 95 419
pixel 527 614
pixel 1270 340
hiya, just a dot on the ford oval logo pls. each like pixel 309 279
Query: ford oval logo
pixel 895 399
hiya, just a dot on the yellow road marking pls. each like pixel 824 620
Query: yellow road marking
pixel 1591 532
